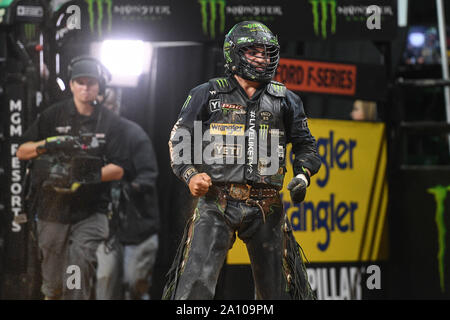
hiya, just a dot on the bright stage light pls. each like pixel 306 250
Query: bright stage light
pixel 416 39
pixel 123 57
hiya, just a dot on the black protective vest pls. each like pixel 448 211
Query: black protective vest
pixel 241 135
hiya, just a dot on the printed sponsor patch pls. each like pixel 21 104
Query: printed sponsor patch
pixel 214 105
pixel 276 132
pixel 189 173
pixel 265 115
pixel 227 129
pixel 232 106
pixel 228 150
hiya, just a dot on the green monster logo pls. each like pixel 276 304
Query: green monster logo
pixel 30 31
pixel 212 16
pixel 99 5
pixel 440 194
pixel 324 10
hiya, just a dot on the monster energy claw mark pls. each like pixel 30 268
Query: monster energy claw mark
pixel 100 5
pixel 222 82
pixel 186 102
pixel 30 31
pixel 213 4
pixel 440 194
pixel 324 13
pixel 263 131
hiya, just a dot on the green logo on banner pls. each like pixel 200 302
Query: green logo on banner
pixel 440 194
pixel 30 31
pixel 325 7
pixel 216 8
pixel 99 4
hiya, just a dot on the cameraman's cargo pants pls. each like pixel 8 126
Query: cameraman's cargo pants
pixel 69 260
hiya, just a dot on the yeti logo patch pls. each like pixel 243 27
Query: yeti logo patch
pixel 214 105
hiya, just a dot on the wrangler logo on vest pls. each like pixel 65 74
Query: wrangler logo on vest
pixel 227 129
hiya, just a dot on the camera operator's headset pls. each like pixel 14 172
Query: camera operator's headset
pixel 105 75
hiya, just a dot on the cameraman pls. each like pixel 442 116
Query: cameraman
pixel 71 225
pixel 127 260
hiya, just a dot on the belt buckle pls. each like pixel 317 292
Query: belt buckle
pixel 240 192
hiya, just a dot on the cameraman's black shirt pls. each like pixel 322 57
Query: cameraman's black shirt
pixel 63 119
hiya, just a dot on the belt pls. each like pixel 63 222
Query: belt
pixel 253 196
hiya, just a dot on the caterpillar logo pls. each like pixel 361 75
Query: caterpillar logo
pixel 263 131
pixel 216 13
pixel 324 5
pixel 99 4
pixel 440 194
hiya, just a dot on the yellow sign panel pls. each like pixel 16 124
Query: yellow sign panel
pixel 343 216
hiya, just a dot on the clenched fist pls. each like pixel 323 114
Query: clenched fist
pixel 199 184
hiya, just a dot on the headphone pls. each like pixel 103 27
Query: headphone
pixel 105 75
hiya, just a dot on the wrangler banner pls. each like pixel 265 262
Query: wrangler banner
pixel 342 218
pixel 209 20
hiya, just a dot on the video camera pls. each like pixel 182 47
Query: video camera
pixel 68 162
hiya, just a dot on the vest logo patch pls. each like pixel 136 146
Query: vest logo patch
pixel 265 115
pixel 228 150
pixel 227 129
pixel 214 105
pixel 232 106
pixel 263 131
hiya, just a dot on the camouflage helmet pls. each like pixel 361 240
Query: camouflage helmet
pixel 246 37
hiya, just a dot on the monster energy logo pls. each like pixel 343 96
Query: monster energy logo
pixel 212 16
pixel 324 11
pixel 277 87
pixel 440 194
pixel 99 5
pixel 263 131
pixel 29 30
pixel 222 82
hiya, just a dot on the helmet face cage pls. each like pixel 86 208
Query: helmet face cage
pixel 258 62
pixel 251 51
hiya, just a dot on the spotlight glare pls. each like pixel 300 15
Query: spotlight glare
pixel 417 39
pixel 123 57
